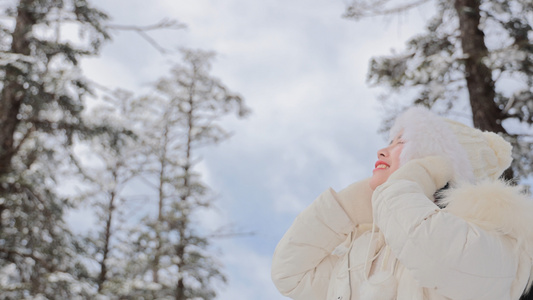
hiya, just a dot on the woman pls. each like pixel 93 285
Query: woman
pixel 433 222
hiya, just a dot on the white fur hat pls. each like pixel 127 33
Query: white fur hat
pixel 475 155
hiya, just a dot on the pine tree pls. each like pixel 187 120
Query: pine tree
pixel 182 116
pixel 109 162
pixel 475 56
pixel 41 103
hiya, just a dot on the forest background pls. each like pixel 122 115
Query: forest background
pixel 298 74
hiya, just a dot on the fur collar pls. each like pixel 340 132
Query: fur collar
pixel 494 206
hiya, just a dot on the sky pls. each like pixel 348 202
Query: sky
pixel 301 69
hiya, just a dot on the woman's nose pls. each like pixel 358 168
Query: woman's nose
pixel 382 152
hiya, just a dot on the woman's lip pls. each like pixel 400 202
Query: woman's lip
pixel 380 162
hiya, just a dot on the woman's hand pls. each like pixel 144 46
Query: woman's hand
pixel 431 173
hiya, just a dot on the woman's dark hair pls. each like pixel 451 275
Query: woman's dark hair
pixel 439 195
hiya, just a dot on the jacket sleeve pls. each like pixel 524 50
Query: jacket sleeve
pixel 303 262
pixel 443 251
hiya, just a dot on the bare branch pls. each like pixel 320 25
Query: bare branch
pixel 152 42
pixel 163 24
pixel 146 181
pixel 141 30
pixel 358 9
pixel 225 235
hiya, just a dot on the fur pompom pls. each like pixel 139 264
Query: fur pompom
pixel 380 286
pixel 502 151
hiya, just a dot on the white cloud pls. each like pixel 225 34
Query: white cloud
pixel 288 203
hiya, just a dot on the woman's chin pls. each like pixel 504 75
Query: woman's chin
pixel 377 179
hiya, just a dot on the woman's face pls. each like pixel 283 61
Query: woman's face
pixel 388 162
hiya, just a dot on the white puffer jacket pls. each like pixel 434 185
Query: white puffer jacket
pixel 478 247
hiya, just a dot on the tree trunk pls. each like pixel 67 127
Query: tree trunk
pixel 184 222
pixel 107 236
pixel 13 91
pixel 485 114
pixel 180 285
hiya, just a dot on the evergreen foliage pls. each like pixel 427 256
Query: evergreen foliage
pixel 42 95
